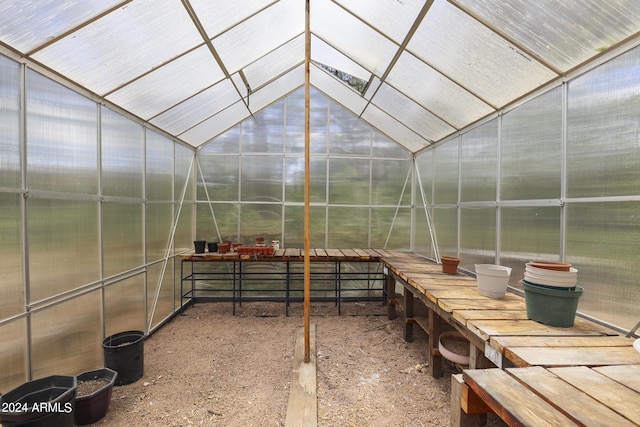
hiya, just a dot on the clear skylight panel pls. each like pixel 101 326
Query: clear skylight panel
pixel 393 18
pixel 471 54
pixel 562 33
pixel 123 45
pixel 260 34
pixel 197 108
pixel 351 36
pixel 25 25
pixel 169 84
pixel 411 114
pixel 434 91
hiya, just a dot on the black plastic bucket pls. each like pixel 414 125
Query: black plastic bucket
pixel 213 246
pixel 43 402
pixel 124 353
pixel 199 246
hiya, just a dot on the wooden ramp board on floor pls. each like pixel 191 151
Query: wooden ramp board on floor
pixel 302 409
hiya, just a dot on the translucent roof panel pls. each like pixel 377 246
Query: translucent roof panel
pixel 219 16
pixel 169 84
pixel 394 129
pixel 475 56
pixel 393 18
pixel 26 25
pixel 425 68
pixel 259 35
pixel 442 96
pixel 413 115
pixel 361 43
pixel 275 63
pixel 197 108
pixel 123 45
pixel 562 33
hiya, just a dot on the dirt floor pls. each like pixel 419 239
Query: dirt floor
pixel 210 368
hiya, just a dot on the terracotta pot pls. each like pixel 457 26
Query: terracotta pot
pixel 450 264
pixel 224 247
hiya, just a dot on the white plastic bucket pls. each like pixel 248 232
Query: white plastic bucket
pixel 492 280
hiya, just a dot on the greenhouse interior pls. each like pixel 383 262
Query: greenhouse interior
pixel 496 132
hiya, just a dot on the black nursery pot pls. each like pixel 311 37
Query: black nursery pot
pixel 199 246
pixel 93 407
pixel 124 353
pixel 212 246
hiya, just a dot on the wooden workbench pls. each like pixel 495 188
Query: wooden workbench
pixel 534 356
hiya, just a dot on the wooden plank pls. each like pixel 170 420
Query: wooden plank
pixel 507 303
pixel 571 401
pixel 502 342
pixel 490 328
pixel 512 401
pixel 334 253
pixel 610 393
pixel 350 254
pixel 302 409
pixel 362 254
pixel 321 253
pixel 463 316
pixel 628 375
pixel 572 356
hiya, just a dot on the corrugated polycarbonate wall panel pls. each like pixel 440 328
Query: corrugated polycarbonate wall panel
pixel 602 243
pixel 166 302
pixel 123 237
pixel 13 354
pixel 122 155
pixel 479 163
pixel 124 304
pixel 61 154
pixel 66 338
pixel 64 248
pixel 603 130
pixel 540 239
pixel 9 123
pixel 531 149
pixel 349 181
pixel 477 236
pixel 445 173
pixel 12 287
pixel 294 179
pixel 261 178
pixel 158 225
pixel 159 166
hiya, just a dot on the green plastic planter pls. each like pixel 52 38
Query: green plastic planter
pixel 551 306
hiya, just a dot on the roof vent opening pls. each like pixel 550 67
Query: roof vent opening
pixel 354 83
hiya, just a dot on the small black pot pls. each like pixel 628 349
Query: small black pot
pixel 199 246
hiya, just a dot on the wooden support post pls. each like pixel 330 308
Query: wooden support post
pixel 435 329
pixel 390 284
pixel 307 245
pixel 463 415
pixel 407 316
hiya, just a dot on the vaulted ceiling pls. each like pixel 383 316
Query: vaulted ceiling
pixel 416 70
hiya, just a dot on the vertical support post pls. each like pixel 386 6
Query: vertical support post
pixel 407 327
pixel 390 284
pixel 435 329
pixel 307 267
